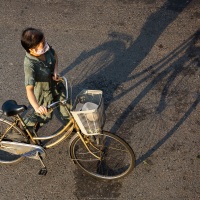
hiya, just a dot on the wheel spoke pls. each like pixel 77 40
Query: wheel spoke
pixel 14 134
pixel 116 157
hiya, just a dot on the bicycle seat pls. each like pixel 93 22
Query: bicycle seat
pixel 11 108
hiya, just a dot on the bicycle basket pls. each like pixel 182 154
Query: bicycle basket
pixel 88 111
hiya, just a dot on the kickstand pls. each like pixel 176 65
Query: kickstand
pixel 43 170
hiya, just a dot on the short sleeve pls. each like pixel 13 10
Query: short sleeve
pixel 29 72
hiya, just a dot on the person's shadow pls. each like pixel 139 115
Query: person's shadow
pixel 115 62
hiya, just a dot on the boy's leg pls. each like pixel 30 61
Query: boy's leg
pixel 59 95
pixel 34 118
pixel 35 121
pixel 44 97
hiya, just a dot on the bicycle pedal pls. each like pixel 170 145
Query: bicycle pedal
pixel 43 171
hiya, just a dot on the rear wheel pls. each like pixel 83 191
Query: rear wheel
pixel 14 134
pixel 116 156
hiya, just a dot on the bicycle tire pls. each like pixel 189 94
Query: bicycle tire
pixel 118 158
pixel 16 135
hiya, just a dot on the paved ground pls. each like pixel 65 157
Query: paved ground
pixel 144 55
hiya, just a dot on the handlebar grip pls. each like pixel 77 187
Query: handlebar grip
pixel 49 110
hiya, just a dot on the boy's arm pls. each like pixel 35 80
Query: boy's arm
pixel 33 101
pixel 55 73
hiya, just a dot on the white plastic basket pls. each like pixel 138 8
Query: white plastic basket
pixel 88 111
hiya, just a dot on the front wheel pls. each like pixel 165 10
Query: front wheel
pixel 13 134
pixel 116 158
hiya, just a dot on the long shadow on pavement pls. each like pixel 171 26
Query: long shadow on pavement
pixel 120 56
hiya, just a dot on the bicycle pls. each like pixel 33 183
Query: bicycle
pixel 99 153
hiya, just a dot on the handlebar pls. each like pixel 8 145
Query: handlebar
pixel 54 104
pixel 65 81
pixel 66 86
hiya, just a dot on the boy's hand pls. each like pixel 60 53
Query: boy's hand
pixel 55 76
pixel 42 110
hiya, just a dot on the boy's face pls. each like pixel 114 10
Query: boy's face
pixel 34 51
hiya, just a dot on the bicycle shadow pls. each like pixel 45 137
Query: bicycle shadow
pixel 124 55
pixel 127 59
pixel 187 67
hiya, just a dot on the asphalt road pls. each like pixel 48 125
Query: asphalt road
pixel 144 55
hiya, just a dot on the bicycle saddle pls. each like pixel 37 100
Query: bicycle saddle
pixel 11 108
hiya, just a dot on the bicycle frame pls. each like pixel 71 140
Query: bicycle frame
pixel 68 129
pixel 65 132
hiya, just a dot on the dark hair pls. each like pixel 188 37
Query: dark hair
pixel 31 37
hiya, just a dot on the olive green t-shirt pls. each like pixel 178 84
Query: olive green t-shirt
pixel 37 70
pixel 39 74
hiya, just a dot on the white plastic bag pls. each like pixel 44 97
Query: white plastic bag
pixel 90 106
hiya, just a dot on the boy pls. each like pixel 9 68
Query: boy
pixel 41 76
